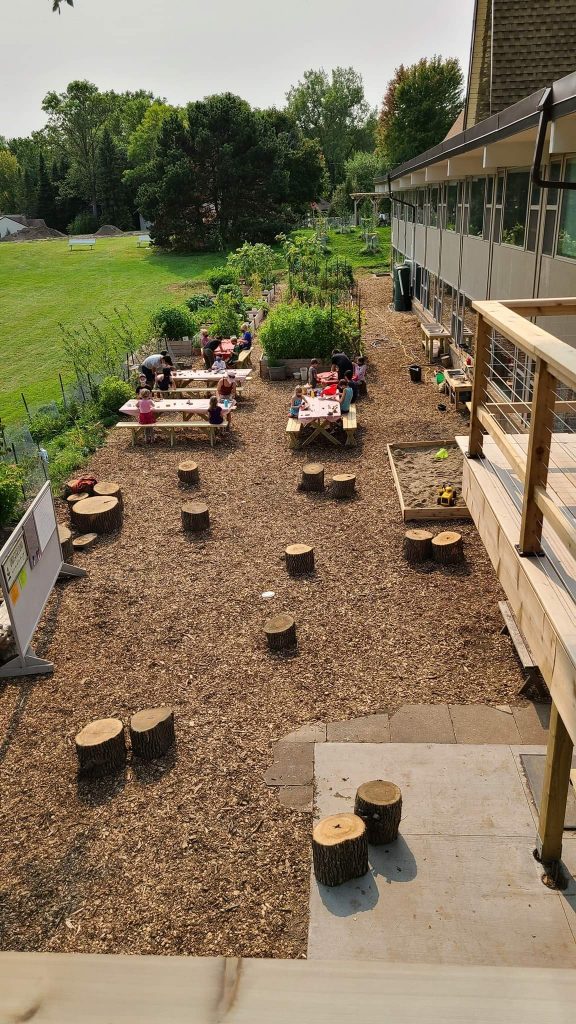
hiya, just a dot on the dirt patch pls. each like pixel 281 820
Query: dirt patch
pixel 421 474
pixel 108 230
pixel 195 855
pixel 34 234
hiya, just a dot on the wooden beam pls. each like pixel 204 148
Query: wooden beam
pixel 554 789
pixel 553 515
pixel 541 307
pixel 502 439
pixel 537 459
pixel 481 357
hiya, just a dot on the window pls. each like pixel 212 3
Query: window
pixel 533 216
pixel 567 232
pixel 451 206
pixel 420 205
pixel 476 201
pixel 447 307
pixel 551 211
pixel 433 208
pixel 498 208
pixel 515 204
pixel 488 209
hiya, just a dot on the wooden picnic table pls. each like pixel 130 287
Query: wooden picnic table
pixel 185 407
pixel 327 378
pixel 207 376
pixel 225 348
pixel 319 413
pixel 456 382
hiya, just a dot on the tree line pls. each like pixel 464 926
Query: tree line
pixel 218 170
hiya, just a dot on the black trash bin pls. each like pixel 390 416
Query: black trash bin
pixel 402 298
pixel 415 373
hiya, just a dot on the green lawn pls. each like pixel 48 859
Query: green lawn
pixel 42 284
pixel 351 247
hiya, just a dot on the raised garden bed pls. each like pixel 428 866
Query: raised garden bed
pixel 417 476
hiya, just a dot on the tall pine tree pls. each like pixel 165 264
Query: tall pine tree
pixel 45 195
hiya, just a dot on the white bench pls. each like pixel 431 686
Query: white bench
pixel 143 240
pixel 75 243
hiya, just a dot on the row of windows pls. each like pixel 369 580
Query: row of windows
pixel 505 207
pixel 447 305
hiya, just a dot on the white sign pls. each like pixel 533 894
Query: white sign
pixel 14 562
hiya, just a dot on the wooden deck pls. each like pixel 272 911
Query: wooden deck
pixel 541 590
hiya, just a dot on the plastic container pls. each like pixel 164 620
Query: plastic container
pixel 415 372
pixel 304 374
pixel 402 297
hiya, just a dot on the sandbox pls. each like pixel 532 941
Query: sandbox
pixel 418 475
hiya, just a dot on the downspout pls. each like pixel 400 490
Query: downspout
pixel 545 108
pixel 412 207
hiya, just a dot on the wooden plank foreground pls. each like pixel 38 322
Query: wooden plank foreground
pixel 68 988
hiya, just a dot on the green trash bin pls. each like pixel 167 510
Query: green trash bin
pixel 402 300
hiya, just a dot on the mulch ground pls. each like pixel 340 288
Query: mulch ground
pixel 194 854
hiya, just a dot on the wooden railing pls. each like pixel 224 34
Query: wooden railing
pixel 542 412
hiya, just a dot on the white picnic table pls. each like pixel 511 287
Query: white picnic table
pixel 319 412
pixel 185 407
pixel 208 376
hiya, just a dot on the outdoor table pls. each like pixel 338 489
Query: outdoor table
pixel 327 378
pixel 225 348
pixel 207 376
pixel 186 407
pixel 318 414
pixel 456 383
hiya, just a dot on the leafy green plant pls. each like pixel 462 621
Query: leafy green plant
pixel 172 322
pixel 10 492
pixel 112 393
pixel 82 224
pixel 225 318
pixel 202 301
pixel 234 291
pixel 48 423
pixel 220 276
pixel 296 331
pixel 254 261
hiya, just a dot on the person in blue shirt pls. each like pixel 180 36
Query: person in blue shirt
pixel 295 402
pixel 346 396
pixel 352 384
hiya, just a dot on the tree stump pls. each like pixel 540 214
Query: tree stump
pixel 84 541
pixel 280 632
pixel 418 545
pixel 73 499
pixel 299 559
pixel 66 543
pixel 312 477
pixel 97 515
pixel 447 548
pixel 70 487
pixel 188 472
pixel 152 732
pixel 101 746
pixel 343 485
pixel 195 516
pixel 108 489
pixel 339 849
pixel 379 804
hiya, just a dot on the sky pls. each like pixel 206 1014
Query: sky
pixel 183 50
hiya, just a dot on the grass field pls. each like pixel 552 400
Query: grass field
pixel 43 284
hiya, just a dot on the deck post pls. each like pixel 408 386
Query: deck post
pixel 541 425
pixel 479 392
pixel 554 789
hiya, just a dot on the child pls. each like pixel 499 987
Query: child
pixel 360 370
pixel 313 374
pixel 142 384
pixel 346 396
pixel 215 415
pixel 218 366
pixel 146 414
pixel 295 402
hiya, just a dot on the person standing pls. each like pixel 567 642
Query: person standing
pixel 151 365
pixel 341 363
pixel 208 346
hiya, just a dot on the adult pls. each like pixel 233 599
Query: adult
pixel 246 337
pixel 341 363
pixel 164 380
pixel 313 374
pixel 226 387
pixel 208 346
pixel 151 366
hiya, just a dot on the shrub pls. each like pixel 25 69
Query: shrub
pixel 254 261
pixel 172 322
pixel 82 224
pixel 220 276
pixel 47 423
pixel 225 318
pixel 112 393
pixel 294 331
pixel 10 492
pixel 202 301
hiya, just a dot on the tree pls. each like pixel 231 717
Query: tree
pixel 360 171
pixel 77 115
pixel 9 178
pixel 111 190
pixel 420 105
pixel 335 113
pixel 45 195
pixel 57 4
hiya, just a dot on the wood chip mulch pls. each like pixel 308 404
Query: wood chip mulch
pixel 194 854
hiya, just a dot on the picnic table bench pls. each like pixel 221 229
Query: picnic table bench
pixel 319 414
pixel 75 243
pixel 143 240
pixel 172 428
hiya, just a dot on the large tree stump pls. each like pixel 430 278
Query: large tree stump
pixel 152 732
pixel 66 543
pixel 339 849
pixel 343 485
pixel 447 548
pixel 280 632
pixel 299 559
pixel 188 472
pixel 101 746
pixel 418 545
pixel 109 489
pixel 379 804
pixel 312 477
pixel 195 516
pixel 97 515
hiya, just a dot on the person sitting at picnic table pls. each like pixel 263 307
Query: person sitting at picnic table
pixel 218 365
pixel 164 380
pixel 151 365
pixel 208 346
pixel 246 337
pixel 146 414
pixel 341 363
pixel 296 402
pixel 142 383
pixel 313 374
pixel 352 383
pixel 360 369
pixel 227 387
pixel 346 395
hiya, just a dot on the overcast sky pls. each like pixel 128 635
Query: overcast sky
pixel 186 49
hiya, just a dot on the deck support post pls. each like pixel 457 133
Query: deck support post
pixel 541 425
pixel 480 389
pixel 554 789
